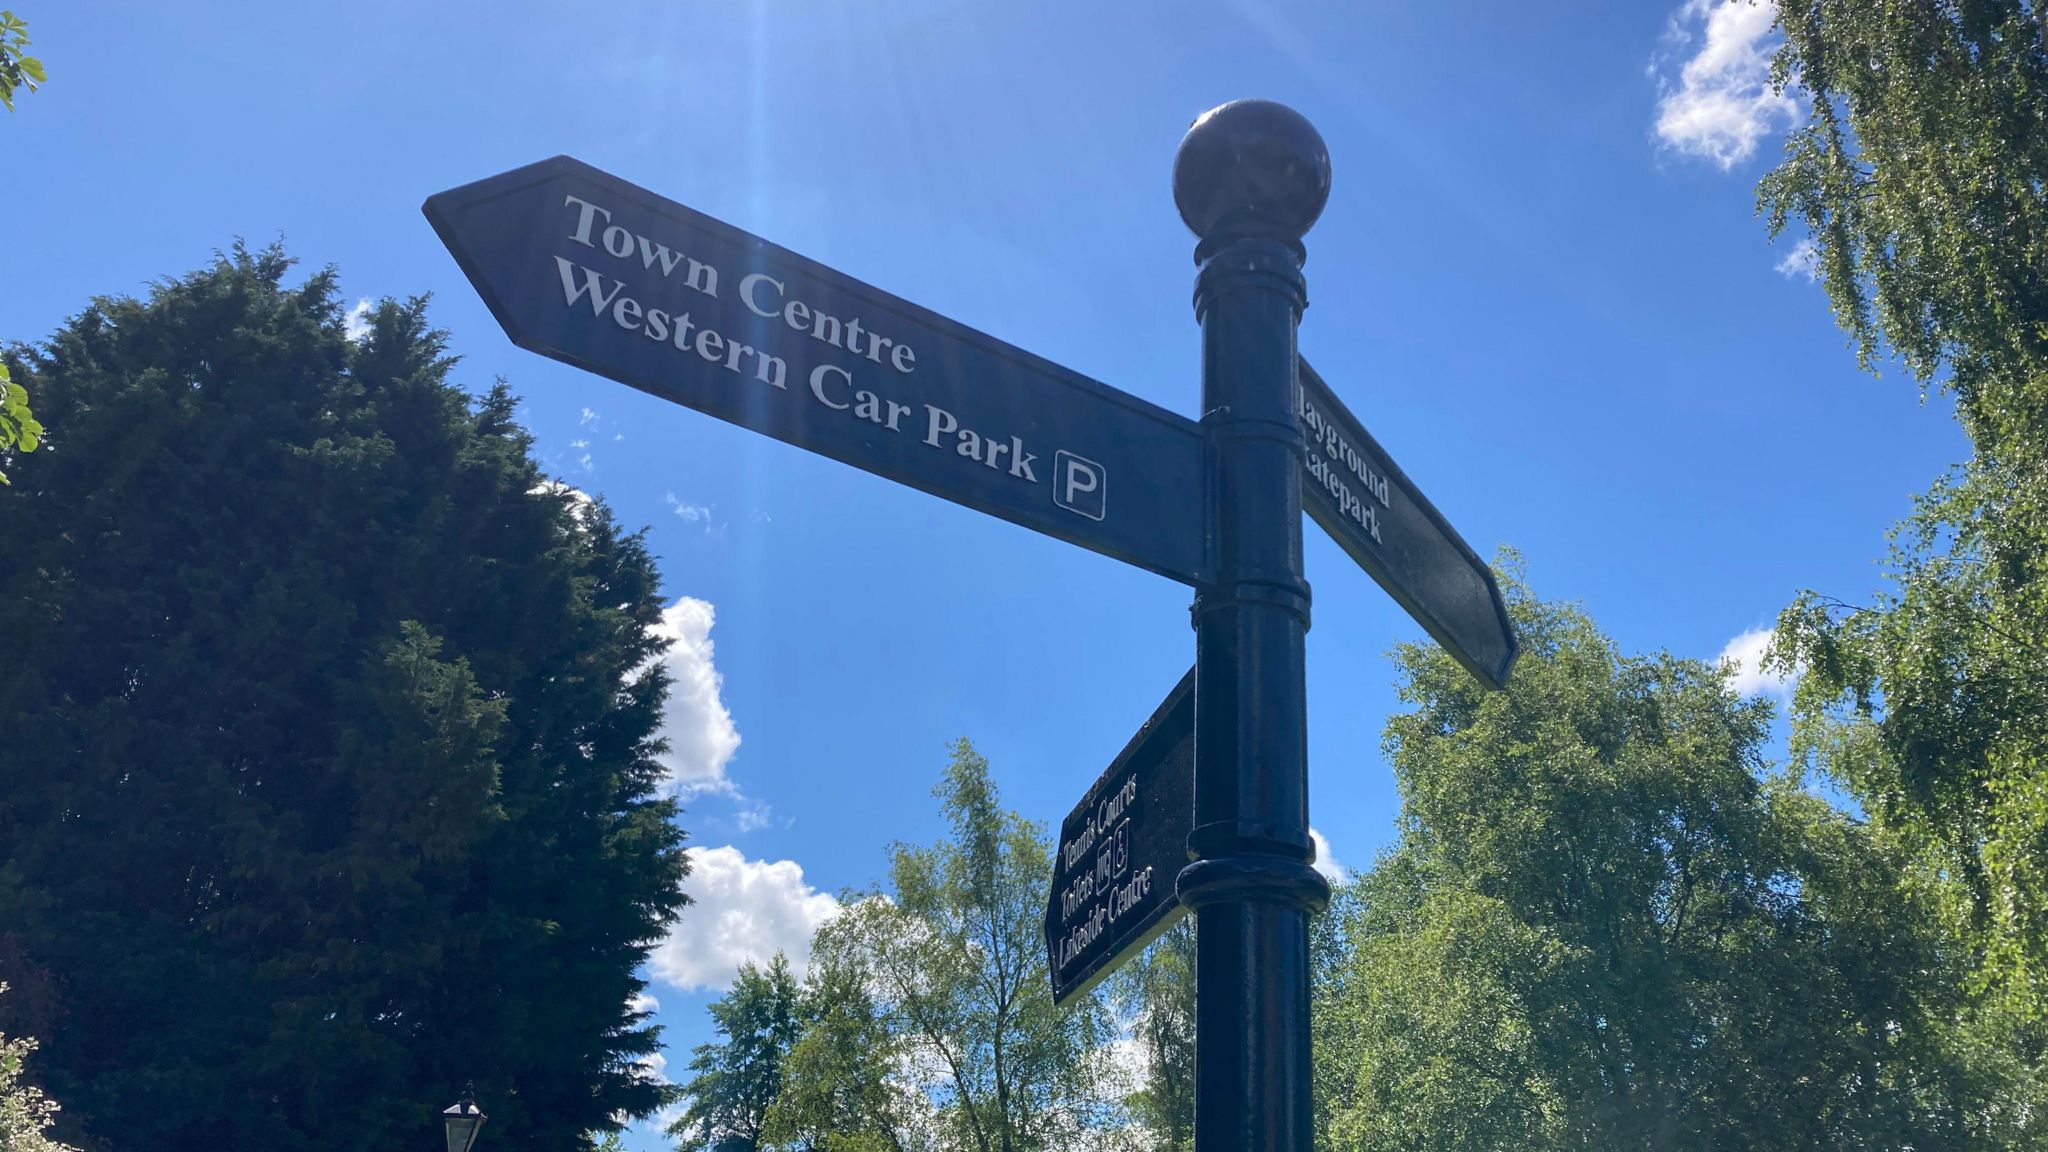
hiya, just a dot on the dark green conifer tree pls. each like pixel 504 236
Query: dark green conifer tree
pixel 739 1076
pixel 327 738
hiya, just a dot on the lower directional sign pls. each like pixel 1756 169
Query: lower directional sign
pixel 1376 514
pixel 1120 849
pixel 581 266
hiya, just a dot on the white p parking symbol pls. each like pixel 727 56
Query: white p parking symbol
pixel 1079 485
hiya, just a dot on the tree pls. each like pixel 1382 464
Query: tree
pixel 331 778
pixel 1919 178
pixel 739 1077
pixel 25 1113
pixel 18 69
pixel 954 964
pixel 841 1091
pixel 19 431
pixel 1155 992
pixel 1607 924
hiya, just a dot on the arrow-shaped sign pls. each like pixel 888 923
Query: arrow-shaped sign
pixel 581 266
pixel 1375 513
pixel 1120 850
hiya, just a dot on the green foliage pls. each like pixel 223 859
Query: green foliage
pixel 1606 925
pixel 841 1091
pixel 739 1077
pixel 19 431
pixel 1927 707
pixel 1155 992
pixel 25 1113
pixel 17 68
pixel 1920 176
pixel 330 780
pixel 952 969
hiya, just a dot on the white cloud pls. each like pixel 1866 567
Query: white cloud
pixel 588 417
pixel 1802 260
pixel 584 462
pixel 694 513
pixel 654 1129
pixel 743 911
pixel 1722 105
pixel 356 325
pixel 579 444
pixel 580 503
pixel 754 816
pixel 652 1067
pixel 643 1002
pixel 700 732
pixel 1326 860
pixel 1747 675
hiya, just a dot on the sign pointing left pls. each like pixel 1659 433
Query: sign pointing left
pixel 583 267
pixel 1120 851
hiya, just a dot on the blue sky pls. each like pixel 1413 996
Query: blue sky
pixel 1539 281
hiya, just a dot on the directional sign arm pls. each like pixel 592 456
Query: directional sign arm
pixel 588 269
pixel 1353 488
pixel 1120 850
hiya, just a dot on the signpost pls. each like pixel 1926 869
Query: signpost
pixel 1120 849
pixel 581 266
pixel 1206 810
pixel 1375 513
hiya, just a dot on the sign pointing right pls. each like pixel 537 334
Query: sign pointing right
pixel 1373 511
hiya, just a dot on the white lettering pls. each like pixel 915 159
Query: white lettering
pixel 592 284
pixel 584 216
pixel 1325 439
pixel 626 314
pixel 818 384
pixel 747 283
pixel 703 278
pixel 656 324
pixel 1080 478
pixel 1020 461
pixel 650 250
pixel 734 353
pixel 823 324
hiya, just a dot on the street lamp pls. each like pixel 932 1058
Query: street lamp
pixel 463 1120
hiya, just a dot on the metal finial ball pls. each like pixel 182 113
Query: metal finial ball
pixel 1253 166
